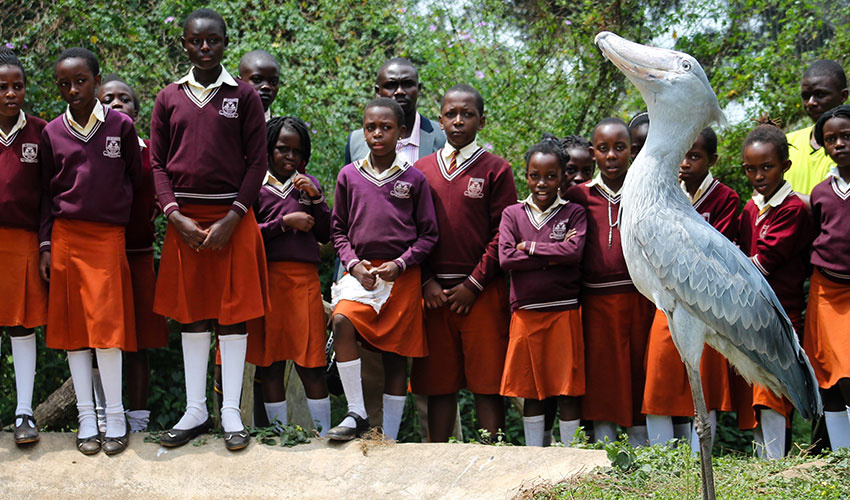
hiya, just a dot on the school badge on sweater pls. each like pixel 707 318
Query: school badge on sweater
pixel 113 147
pixel 229 107
pixel 401 189
pixel 29 153
pixel 475 188
pixel 559 231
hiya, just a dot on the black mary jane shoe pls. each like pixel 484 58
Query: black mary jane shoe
pixel 27 432
pixel 235 441
pixel 115 445
pixel 178 437
pixel 90 445
pixel 340 433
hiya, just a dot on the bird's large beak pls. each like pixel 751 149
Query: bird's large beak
pixel 637 61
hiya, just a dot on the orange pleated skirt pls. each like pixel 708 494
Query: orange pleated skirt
pixel 616 329
pixel 151 328
pixel 827 338
pixel 23 294
pixel 91 295
pixel 747 397
pixel 545 355
pixel 398 329
pixel 668 391
pixel 294 327
pixel 229 285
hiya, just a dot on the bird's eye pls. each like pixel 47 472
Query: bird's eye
pixel 686 65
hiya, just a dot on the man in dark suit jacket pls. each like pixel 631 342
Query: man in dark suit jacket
pixel 398 79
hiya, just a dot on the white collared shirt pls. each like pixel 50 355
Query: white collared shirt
pixel 142 144
pixel 398 164
pixel 703 187
pixel 97 115
pixel 408 148
pixel 21 123
pixel 540 215
pixel 843 185
pixel 597 181
pixel 199 91
pixel 463 153
pixel 273 181
pixel 774 200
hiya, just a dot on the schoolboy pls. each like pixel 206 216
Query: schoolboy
pixel 823 87
pixel 262 71
pixel 615 316
pixel 467 315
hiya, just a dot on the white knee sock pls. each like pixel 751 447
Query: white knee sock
pixel 638 436
pixel 320 412
pixel 838 427
pixel 138 420
pixel 568 429
pixel 196 353
pixel 604 429
pixel 276 413
pixel 393 410
pixel 109 363
pixel 772 424
pixel 352 386
pixel 99 400
pixel 233 348
pixel 712 419
pixel 659 428
pixel 547 438
pixel 23 355
pixel 80 364
pixel 533 427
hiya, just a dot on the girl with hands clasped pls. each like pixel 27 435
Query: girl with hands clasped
pixel 383 227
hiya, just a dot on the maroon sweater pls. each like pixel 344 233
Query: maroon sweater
pixel 390 219
pixel 831 211
pixel 282 242
pixel 140 228
pixel 88 178
pixel 208 153
pixel 20 176
pixel 719 207
pixel 603 267
pixel 545 277
pixel 469 205
pixel 778 244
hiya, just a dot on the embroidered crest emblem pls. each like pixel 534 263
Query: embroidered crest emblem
pixel 401 189
pixel 304 199
pixel 475 188
pixel 763 231
pixel 29 152
pixel 113 147
pixel 559 231
pixel 229 107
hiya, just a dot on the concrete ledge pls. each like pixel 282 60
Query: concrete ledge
pixel 53 468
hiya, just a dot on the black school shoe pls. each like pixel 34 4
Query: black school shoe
pixel 178 437
pixel 235 441
pixel 27 432
pixel 115 445
pixel 89 445
pixel 340 433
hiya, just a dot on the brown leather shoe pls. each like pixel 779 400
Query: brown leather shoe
pixel 27 432
pixel 115 445
pixel 89 445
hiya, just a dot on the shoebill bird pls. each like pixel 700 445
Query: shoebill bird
pixel 709 290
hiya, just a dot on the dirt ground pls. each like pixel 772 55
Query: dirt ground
pixel 54 469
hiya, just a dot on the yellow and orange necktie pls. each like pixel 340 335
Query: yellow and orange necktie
pixel 453 161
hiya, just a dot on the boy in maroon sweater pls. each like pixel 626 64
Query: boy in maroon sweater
pixel 776 231
pixel 466 317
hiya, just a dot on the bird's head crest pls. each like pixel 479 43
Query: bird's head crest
pixel 665 78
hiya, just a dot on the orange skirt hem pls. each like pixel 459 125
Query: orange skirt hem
pixel 827 338
pixel 23 292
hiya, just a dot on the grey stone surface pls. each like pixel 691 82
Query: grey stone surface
pixel 53 468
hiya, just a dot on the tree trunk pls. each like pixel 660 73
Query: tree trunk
pixel 58 407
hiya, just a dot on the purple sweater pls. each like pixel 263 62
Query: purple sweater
pixel 390 219
pixel 88 178
pixel 547 276
pixel 20 177
pixel 210 153
pixel 831 211
pixel 282 242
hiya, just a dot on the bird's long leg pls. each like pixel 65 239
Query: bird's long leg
pixel 703 428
